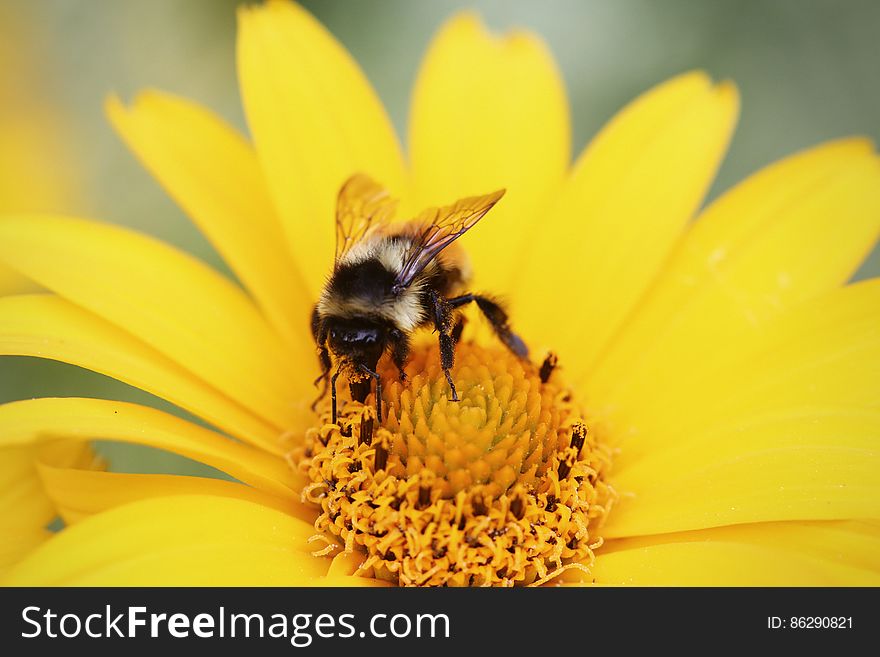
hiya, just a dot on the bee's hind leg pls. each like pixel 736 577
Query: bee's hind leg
pixel 458 329
pixel 497 317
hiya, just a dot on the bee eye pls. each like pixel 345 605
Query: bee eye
pixel 333 333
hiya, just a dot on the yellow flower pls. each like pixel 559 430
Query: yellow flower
pixel 715 403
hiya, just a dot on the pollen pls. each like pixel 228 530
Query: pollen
pixel 506 487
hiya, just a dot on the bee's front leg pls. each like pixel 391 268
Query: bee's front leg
pixel 443 316
pixel 333 394
pixel 399 342
pixel 326 364
pixel 319 332
pixel 375 375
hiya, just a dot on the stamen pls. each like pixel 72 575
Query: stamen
pixel 424 500
pixel 365 437
pixel 517 508
pixel 381 457
pixel 479 505
pixel 563 470
pixel 547 367
pixel 578 436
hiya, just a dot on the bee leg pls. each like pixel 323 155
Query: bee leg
pixel 447 355
pixel 326 364
pixel 443 324
pixel 333 395
pixel 399 351
pixel 319 332
pixel 375 375
pixel 497 317
pixel 457 329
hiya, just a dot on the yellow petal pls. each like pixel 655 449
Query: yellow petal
pixel 315 121
pixel 171 301
pixel 805 426
pixel 25 507
pixel 190 540
pixel 816 363
pixel 24 503
pixel 490 112
pixel 783 429
pixel 78 494
pixel 49 327
pixel 722 564
pixel 11 282
pixel 623 208
pixel 851 543
pixel 788 234
pixel 22 500
pixel 213 174
pixel 16 545
pixel 799 482
pixel 86 419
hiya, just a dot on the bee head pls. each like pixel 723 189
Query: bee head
pixel 360 340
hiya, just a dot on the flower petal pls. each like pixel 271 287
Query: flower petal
pixel 94 419
pixel 848 542
pixel 804 426
pixel 16 545
pixel 22 501
pixel 189 540
pixel 315 121
pixel 11 282
pixel 214 175
pixel 171 301
pixel 782 429
pixel 800 482
pixel 490 112
pixel 788 234
pixel 774 554
pixel 620 213
pixel 814 363
pixel 722 564
pixel 78 494
pixel 49 327
pixel 25 507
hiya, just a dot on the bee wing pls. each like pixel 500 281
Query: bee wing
pixel 442 226
pixel 362 205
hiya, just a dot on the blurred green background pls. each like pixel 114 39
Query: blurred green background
pixel 807 71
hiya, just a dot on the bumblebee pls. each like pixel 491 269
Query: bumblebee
pixel 392 278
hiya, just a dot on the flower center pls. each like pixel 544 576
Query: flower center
pixel 505 487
